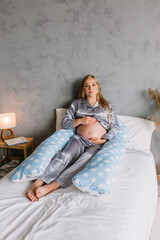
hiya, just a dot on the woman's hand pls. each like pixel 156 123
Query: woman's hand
pixel 98 140
pixel 88 120
pixel 84 121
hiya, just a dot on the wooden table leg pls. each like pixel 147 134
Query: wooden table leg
pixel 32 147
pixel 25 153
pixel 6 153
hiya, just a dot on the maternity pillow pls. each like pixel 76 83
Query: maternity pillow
pixel 34 165
pixel 139 138
pixel 139 130
pixel 98 177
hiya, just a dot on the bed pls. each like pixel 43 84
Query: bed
pixel 127 213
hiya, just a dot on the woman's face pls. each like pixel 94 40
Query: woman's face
pixel 90 88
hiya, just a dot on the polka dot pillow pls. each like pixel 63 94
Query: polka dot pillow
pixel 34 165
pixel 98 176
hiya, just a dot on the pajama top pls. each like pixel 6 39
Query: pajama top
pixel 82 108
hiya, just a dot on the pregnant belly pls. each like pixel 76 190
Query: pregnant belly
pixel 90 131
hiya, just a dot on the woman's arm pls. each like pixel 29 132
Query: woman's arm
pixel 69 121
pixel 69 118
pixel 113 127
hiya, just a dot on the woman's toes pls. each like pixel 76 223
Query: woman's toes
pixel 41 191
pixel 38 193
pixel 31 195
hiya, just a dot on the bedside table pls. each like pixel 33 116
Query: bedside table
pixel 23 147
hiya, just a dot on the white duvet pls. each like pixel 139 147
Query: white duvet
pixel 126 214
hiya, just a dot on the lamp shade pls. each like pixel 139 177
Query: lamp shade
pixel 7 120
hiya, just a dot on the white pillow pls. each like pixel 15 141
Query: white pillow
pixel 139 130
pixel 139 133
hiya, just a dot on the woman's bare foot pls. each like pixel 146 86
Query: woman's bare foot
pixel 44 190
pixel 31 190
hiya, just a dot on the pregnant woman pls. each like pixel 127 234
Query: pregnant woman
pixel 95 123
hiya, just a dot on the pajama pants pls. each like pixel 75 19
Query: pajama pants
pixel 71 160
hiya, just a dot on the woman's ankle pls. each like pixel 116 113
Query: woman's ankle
pixel 37 183
pixel 54 185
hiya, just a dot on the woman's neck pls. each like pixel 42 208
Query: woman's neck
pixel 92 101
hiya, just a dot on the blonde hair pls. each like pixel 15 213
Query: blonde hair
pixel 102 101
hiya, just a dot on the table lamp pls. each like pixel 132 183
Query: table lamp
pixel 7 121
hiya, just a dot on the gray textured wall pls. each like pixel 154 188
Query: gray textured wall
pixel 46 47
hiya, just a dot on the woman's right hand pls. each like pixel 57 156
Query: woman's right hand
pixel 84 121
pixel 88 120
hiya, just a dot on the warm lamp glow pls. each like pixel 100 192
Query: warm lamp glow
pixel 7 121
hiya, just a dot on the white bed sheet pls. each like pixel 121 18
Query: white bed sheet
pixel 126 214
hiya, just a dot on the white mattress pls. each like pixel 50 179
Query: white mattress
pixel 126 214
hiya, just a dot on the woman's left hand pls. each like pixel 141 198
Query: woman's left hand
pixel 98 140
